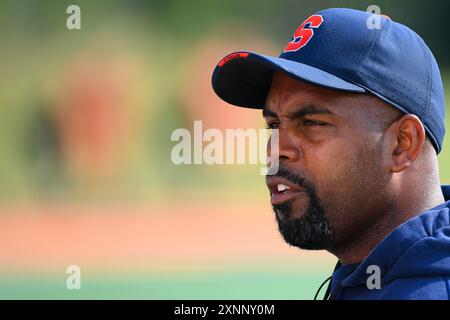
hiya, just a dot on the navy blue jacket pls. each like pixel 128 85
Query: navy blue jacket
pixel 413 260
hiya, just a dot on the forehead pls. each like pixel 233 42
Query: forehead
pixel 287 94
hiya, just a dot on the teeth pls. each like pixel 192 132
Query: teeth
pixel 282 187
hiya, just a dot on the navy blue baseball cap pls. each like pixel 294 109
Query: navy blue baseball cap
pixel 347 50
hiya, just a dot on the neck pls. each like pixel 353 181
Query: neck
pixel 361 244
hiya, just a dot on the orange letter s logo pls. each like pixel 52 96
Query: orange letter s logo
pixel 304 33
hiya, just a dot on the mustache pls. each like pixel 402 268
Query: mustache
pixel 294 178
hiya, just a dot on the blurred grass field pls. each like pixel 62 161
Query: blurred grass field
pixel 153 252
pixel 137 285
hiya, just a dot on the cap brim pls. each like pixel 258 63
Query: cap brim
pixel 243 78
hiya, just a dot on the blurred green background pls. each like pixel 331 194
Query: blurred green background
pixel 85 172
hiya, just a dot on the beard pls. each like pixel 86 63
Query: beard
pixel 311 231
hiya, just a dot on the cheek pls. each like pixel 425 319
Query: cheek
pixel 338 176
pixel 330 166
pixel 347 180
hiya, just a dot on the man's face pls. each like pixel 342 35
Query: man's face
pixel 330 184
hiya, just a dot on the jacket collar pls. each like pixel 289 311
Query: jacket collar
pixel 388 252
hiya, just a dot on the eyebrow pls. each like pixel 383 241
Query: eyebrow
pixel 301 112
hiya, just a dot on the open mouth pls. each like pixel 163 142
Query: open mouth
pixel 282 190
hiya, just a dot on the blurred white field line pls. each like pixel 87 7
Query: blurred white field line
pixel 213 146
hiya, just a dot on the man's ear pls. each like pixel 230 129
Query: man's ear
pixel 403 142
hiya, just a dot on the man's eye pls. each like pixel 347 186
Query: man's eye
pixel 272 125
pixel 313 123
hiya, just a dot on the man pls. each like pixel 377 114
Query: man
pixel 360 117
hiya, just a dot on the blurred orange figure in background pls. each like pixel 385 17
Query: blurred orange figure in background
pixel 93 114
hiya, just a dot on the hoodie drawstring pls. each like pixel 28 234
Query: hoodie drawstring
pixel 328 289
pixel 330 279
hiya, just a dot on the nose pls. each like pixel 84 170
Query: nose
pixel 288 149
